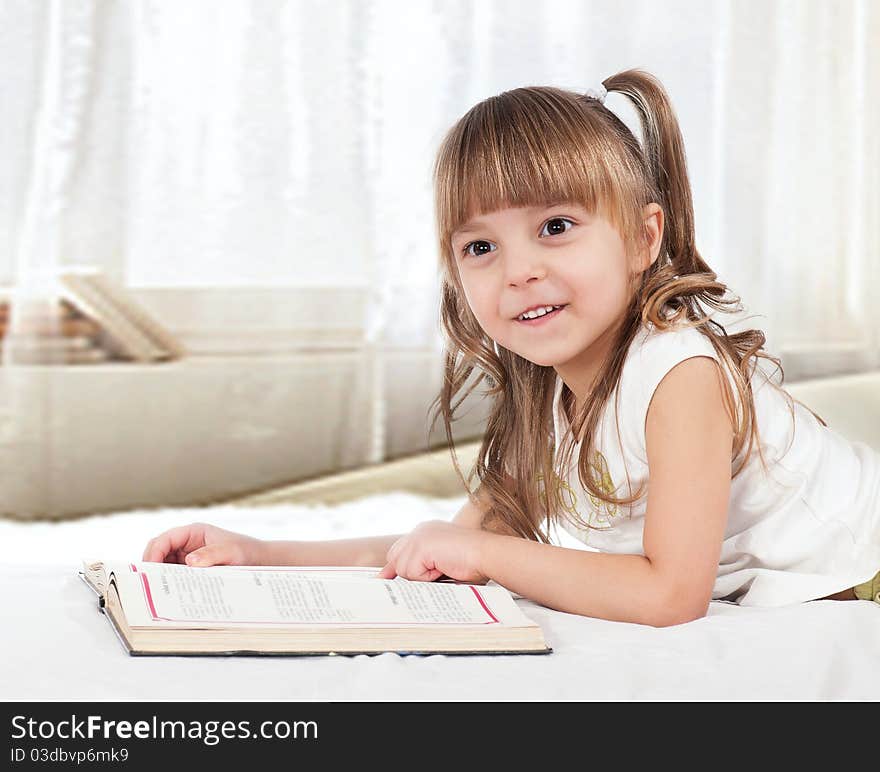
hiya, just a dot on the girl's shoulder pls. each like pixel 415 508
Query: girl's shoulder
pixel 655 351
pixel 651 354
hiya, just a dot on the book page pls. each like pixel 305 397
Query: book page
pixel 159 594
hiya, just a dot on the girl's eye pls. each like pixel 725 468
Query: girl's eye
pixel 466 250
pixel 557 220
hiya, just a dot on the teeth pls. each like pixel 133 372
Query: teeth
pixel 538 312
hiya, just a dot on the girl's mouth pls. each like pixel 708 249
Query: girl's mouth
pixel 539 320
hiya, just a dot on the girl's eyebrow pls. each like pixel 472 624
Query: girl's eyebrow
pixel 472 226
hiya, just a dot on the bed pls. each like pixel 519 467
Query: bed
pixel 57 646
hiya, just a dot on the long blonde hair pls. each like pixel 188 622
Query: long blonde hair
pixel 530 146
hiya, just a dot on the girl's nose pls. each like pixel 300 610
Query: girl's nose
pixel 524 268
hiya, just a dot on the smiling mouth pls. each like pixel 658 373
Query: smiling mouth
pixel 543 318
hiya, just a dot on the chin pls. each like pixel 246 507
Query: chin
pixel 544 360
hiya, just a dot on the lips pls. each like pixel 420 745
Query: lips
pixel 536 307
pixel 538 320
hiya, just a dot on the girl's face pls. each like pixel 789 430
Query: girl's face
pixel 521 259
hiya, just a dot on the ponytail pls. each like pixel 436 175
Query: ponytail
pixel 665 166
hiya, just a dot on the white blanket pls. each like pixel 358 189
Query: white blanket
pixel 56 646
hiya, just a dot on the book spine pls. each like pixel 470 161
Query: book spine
pixel 133 343
pixel 129 306
pixel 26 356
pixel 24 342
pixel 52 328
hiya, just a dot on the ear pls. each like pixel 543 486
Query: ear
pixel 653 232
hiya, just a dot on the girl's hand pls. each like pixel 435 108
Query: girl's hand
pixel 200 544
pixel 436 548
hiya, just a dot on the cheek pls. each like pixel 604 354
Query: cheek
pixel 477 291
pixel 478 301
pixel 601 290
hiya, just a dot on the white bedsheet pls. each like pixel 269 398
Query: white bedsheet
pixel 56 646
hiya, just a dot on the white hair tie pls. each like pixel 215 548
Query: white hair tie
pixel 599 92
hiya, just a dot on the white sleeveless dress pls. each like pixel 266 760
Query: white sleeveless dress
pixel 808 529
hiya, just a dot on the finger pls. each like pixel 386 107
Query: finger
pixel 212 555
pixel 176 542
pixel 422 573
pixel 159 548
pixel 387 572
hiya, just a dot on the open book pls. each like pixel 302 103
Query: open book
pixel 161 608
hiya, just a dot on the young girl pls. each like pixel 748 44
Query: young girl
pixel 572 284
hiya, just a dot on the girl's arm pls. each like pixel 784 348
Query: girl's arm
pixel 364 551
pixel 202 544
pixel 689 440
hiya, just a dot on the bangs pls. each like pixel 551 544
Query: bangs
pixel 534 147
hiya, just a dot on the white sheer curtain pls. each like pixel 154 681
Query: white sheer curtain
pixel 792 204
pixel 257 173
